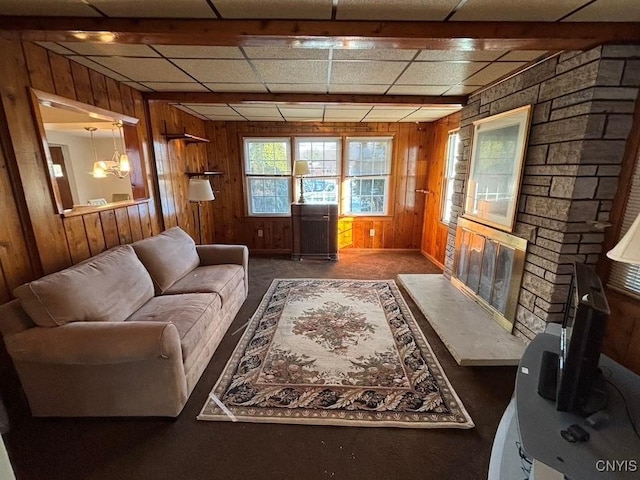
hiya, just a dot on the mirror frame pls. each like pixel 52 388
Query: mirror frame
pixel 137 175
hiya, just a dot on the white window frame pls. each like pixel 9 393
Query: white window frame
pixel 337 177
pixel 266 176
pixel 386 176
pixel 449 174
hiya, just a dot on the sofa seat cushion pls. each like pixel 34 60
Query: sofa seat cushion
pixel 221 279
pixel 108 287
pixel 190 313
pixel 168 256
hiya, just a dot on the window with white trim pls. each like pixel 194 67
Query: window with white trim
pixel 323 155
pixel 451 158
pixel 268 175
pixel 367 175
pixel 625 277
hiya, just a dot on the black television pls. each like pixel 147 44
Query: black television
pixel 580 386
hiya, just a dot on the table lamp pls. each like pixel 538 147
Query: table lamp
pixel 627 250
pixel 301 168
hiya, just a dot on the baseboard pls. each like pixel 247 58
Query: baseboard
pixel 431 259
pixel 377 250
pixel 273 251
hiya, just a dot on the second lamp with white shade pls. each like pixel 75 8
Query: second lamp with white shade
pixel 200 191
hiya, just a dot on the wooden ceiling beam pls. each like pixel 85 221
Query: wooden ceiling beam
pixel 307 98
pixel 323 34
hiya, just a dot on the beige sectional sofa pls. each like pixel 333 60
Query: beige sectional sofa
pixel 127 332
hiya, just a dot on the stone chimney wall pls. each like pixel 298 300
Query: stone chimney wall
pixel 583 104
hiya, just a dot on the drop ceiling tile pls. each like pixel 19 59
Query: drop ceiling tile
pixel 348 108
pixel 500 11
pixel 211 109
pixel 56 48
pixel 441 73
pixel 493 72
pixel 333 114
pixel 155 8
pixel 450 55
pixel 257 110
pixel 198 51
pixel 373 54
pixel 226 118
pixel 346 88
pixel 97 67
pixel 381 119
pixel 284 53
pixel 236 87
pixel 190 112
pixel 176 87
pixel 309 117
pixel 391 112
pixel 417 90
pixel 137 86
pixel 608 11
pixel 522 55
pixel 47 8
pixel 295 71
pixel 432 113
pixel 144 69
pixel 373 73
pixel 297 87
pixel 225 71
pixel 266 119
pixel 290 112
pixel 314 9
pixel 389 10
pixel 110 49
pixel 462 89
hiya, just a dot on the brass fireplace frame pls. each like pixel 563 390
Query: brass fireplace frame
pixel 519 247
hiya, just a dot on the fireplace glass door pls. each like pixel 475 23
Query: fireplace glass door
pixel 488 265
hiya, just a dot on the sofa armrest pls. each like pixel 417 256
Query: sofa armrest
pixel 96 343
pixel 219 254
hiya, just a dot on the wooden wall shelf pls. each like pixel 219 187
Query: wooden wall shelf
pixel 187 137
pixel 202 174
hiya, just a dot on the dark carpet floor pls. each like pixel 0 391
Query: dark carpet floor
pixel 184 448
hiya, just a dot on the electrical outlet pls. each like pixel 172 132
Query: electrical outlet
pixel 260 233
pixel 372 232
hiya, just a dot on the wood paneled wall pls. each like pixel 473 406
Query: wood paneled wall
pixel 34 239
pixel 173 159
pixel 401 229
pixel 434 236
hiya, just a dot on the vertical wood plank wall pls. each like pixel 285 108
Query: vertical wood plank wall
pixel 434 236
pixel 173 159
pixel 401 229
pixel 34 239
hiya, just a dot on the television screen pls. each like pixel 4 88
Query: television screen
pixel 580 384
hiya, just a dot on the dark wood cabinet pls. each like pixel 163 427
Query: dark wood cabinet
pixel 315 231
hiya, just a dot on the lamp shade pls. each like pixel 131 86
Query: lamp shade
pixel 628 248
pixel 300 168
pixel 200 190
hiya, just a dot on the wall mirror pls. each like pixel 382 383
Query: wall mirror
pixel 93 155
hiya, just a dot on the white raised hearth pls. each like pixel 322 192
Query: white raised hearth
pixel 467 329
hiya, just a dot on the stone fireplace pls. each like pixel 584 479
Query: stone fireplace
pixel 583 104
pixel 488 265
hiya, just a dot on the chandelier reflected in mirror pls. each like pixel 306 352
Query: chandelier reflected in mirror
pixel 119 165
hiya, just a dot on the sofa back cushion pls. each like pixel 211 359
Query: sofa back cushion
pixel 108 287
pixel 167 257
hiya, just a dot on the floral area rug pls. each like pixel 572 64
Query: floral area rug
pixel 335 352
